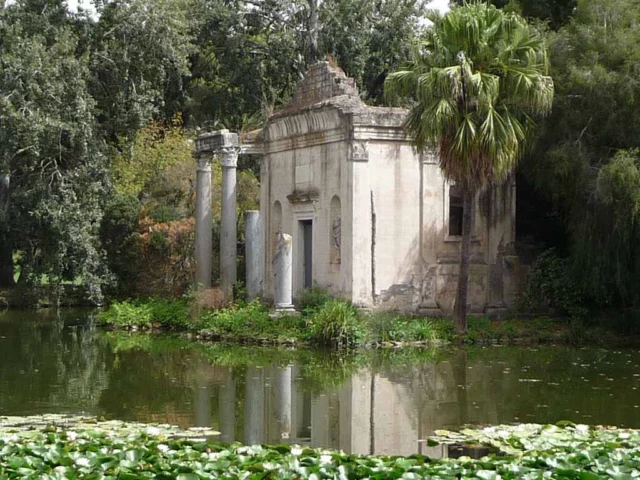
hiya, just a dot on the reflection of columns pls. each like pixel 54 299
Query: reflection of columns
pixel 355 414
pixel 228 230
pixel 253 253
pixel 227 409
pixel 202 406
pixel 284 272
pixel 253 406
pixel 283 402
pixel 203 221
pixel 320 421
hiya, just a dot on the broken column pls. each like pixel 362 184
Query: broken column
pixel 228 225
pixel 253 253
pixel 284 273
pixel 203 220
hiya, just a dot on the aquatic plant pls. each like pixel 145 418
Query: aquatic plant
pixel 134 451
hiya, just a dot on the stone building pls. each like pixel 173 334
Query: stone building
pixel 371 220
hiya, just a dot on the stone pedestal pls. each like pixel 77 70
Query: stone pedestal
pixel 253 253
pixel 203 221
pixel 228 226
pixel 283 266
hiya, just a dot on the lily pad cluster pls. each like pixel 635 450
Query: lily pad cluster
pixel 115 450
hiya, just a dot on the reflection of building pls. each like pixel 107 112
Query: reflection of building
pixel 380 413
pixel 370 219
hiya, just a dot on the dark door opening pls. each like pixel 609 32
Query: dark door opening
pixel 307 257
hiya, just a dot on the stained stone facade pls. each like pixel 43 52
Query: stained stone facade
pixel 370 219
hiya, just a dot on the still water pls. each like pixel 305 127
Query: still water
pixel 366 402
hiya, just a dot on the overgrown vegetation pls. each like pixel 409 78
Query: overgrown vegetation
pixel 137 451
pixel 338 324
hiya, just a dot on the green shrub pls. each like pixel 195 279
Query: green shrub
pixel 172 314
pixel 311 299
pixel 118 231
pixel 550 285
pixel 251 319
pixel 335 323
pixel 127 314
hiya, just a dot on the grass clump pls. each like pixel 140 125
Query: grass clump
pixel 336 323
pixel 394 327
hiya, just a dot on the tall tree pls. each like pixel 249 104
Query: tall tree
pixel 139 63
pixel 586 164
pixel 50 156
pixel 556 12
pixel 474 84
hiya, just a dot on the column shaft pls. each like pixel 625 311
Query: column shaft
pixel 253 253
pixel 203 223
pixel 228 230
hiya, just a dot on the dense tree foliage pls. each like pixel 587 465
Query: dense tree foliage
pixel 586 163
pixel 556 12
pixel 50 156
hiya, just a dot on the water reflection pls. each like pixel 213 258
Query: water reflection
pixel 365 402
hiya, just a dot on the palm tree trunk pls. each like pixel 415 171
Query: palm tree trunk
pixel 460 308
pixel 6 252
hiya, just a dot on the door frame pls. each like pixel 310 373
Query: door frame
pixel 298 252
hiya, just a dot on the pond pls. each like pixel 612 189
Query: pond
pixel 362 402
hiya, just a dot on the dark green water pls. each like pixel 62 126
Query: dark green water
pixel 373 401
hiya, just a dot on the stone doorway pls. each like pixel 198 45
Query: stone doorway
pixel 306 250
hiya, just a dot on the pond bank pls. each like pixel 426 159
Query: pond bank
pixel 338 324
pixel 120 450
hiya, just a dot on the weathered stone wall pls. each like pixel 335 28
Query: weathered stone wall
pixel 304 170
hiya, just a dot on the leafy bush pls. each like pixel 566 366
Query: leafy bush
pixel 127 314
pixel 335 323
pixel 166 250
pixel 118 232
pixel 550 285
pixel 250 320
pixel 172 314
pixel 311 299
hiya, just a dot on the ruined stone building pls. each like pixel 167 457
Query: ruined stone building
pixel 371 220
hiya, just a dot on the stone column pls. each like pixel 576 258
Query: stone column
pixel 253 253
pixel 203 221
pixel 228 227
pixel 283 273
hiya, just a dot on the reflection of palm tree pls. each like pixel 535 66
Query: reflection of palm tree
pixel 460 378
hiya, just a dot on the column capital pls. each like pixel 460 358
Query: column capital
pixel 203 162
pixel 229 156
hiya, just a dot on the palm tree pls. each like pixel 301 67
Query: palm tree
pixel 474 84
